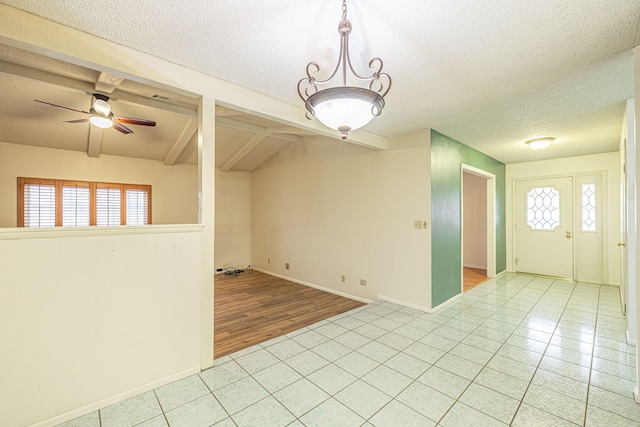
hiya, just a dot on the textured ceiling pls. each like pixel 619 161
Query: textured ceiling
pixel 491 73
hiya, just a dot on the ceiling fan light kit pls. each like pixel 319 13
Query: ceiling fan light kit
pixel 101 105
pixel 344 108
pixel 103 117
pixel 101 122
pixel 540 143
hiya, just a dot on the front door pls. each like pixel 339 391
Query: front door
pixel 544 226
pixel 589 228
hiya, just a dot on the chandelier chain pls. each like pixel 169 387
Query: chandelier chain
pixel 344 9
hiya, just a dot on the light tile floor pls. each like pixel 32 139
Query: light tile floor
pixel 517 350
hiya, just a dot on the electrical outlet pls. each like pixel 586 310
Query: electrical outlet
pixel 343 278
pixel 287 266
pixel 363 282
pixel 417 224
pixel 268 260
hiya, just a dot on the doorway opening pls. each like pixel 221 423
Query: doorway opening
pixel 478 227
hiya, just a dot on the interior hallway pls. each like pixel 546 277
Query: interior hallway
pixel 472 277
pixel 516 350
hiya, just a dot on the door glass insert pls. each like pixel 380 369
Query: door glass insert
pixel 543 208
pixel 588 207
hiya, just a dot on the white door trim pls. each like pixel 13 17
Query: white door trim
pixel 491 220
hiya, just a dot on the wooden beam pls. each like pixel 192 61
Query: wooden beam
pixel 242 152
pixel 182 141
pixel 95 141
pixel 258 130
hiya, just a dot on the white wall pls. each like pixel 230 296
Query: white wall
pixel 331 209
pixel 474 221
pixel 606 162
pixel 87 321
pixel 636 260
pixel 26 31
pixel 174 189
pixel 233 219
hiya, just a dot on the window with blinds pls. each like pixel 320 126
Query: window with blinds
pixel 137 206
pixel 108 206
pixel 60 203
pixel 40 205
pixel 76 202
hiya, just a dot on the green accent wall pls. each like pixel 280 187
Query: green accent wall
pixel 447 157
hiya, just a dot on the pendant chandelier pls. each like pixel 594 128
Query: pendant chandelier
pixel 344 108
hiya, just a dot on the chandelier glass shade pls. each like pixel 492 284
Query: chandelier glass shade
pixel 344 108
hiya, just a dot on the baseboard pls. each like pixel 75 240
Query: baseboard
pixel 446 303
pixel 635 395
pixel 312 285
pixel 404 303
pixel 479 267
pixel 629 340
pixel 421 308
pixel 115 399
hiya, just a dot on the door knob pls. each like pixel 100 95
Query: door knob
pixel 622 244
pixel 568 234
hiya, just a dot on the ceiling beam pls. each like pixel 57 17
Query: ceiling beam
pixel 108 82
pixel 89 88
pixel 258 130
pixel 182 141
pixel 226 112
pixel 290 130
pixel 95 141
pixel 43 76
pixel 242 152
pixel 131 99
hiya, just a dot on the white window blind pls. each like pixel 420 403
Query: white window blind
pixel 39 205
pixel 137 207
pixel 76 210
pixel 107 206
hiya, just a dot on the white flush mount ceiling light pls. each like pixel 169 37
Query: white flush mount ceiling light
pixel 344 108
pixel 539 143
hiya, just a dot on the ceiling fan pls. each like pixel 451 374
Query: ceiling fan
pixel 102 116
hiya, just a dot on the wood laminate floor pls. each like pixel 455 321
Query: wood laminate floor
pixel 473 277
pixel 254 307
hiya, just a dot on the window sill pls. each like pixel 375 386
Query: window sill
pixel 19 233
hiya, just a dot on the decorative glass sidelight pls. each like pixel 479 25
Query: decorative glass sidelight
pixel 588 207
pixel 543 208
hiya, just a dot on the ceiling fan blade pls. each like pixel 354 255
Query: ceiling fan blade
pixel 77 121
pixel 122 128
pixel 60 106
pixel 133 121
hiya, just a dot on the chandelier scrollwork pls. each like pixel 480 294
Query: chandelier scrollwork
pixel 344 108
